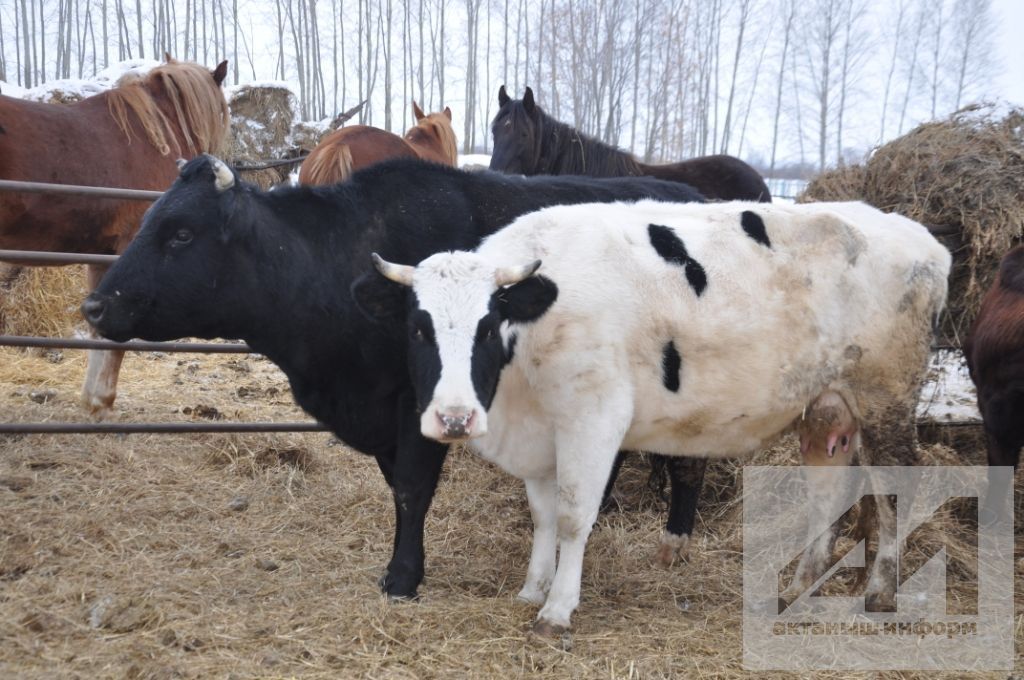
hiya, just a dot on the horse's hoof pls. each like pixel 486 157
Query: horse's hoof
pixel 546 629
pixel 99 408
pixel 672 548
pixel 880 603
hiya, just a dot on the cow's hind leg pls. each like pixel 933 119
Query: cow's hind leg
pixel 102 366
pixel 687 477
pixel 824 507
pixel 585 453
pixel 890 438
pixel 543 497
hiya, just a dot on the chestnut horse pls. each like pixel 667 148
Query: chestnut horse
pixel 528 141
pixel 130 137
pixel 343 151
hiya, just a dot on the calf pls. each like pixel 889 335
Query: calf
pixel 995 359
pixel 687 330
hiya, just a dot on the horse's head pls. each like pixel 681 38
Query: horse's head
pixel 434 132
pixel 181 91
pixel 517 134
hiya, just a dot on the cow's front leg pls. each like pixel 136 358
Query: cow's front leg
pixel 418 463
pixel 584 456
pixel 686 475
pixel 543 496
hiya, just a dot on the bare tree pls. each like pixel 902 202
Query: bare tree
pixel 790 14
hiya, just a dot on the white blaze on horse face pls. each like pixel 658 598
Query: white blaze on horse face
pixel 455 289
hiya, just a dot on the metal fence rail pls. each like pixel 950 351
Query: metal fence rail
pixel 157 428
pixel 79 190
pixel 130 346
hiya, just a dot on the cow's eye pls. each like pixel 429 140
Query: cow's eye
pixel 417 334
pixel 182 236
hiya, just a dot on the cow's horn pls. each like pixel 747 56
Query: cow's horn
pixel 399 273
pixel 224 179
pixel 506 276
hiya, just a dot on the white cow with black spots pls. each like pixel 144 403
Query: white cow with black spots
pixel 690 330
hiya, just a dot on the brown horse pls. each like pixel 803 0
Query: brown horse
pixel 343 151
pixel 129 136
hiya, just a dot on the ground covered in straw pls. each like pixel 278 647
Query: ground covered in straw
pixel 204 556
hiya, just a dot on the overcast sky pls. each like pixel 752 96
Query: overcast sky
pixel 1010 46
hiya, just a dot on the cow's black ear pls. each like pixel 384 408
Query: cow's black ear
pixel 503 96
pixel 378 298
pixel 527 300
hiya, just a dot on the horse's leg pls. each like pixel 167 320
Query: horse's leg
pixel 100 386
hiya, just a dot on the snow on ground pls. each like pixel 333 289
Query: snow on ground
pixel 11 90
pixel 475 159
pixel 948 394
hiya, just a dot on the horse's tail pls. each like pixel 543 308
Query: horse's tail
pixel 327 166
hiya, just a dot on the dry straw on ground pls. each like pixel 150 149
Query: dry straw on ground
pixel 194 556
pixel 963 177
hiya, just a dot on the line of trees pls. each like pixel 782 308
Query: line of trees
pixel 808 81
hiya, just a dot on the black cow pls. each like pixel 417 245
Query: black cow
pixel 220 258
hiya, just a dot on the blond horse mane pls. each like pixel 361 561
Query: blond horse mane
pixel 199 108
pixel 439 123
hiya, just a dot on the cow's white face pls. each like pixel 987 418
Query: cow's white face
pixel 453 294
pixel 456 352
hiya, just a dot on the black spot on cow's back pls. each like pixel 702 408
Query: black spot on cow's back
pixel 667 244
pixel 754 226
pixel 671 363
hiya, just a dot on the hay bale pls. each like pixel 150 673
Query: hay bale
pixel 963 177
pixel 261 123
pixel 43 301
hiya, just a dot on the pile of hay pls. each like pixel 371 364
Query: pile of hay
pixel 261 123
pixel 42 300
pixel 963 177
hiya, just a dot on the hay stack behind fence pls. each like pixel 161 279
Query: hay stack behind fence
pixel 42 301
pixel 963 177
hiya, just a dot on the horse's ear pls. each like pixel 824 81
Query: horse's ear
pixel 417 111
pixel 448 113
pixel 221 72
pixel 502 96
pixel 528 102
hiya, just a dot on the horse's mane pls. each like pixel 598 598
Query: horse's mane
pixel 199 108
pixel 565 150
pixel 445 133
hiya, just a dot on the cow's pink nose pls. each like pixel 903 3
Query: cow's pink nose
pixel 457 423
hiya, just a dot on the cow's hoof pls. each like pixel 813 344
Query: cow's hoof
pixel 531 596
pixel 395 591
pixel 673 548
pixel 546 629
pixel 880 603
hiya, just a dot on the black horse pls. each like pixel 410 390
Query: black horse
pixel 528 141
